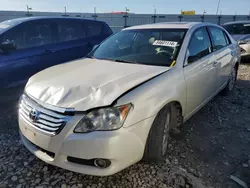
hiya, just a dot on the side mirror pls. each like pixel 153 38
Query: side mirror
pixel 7 46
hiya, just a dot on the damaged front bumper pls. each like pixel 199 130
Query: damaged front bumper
pixel 77 151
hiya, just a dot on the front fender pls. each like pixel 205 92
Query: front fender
pixel 149 98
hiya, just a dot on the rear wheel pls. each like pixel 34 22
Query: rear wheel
pixel 231 83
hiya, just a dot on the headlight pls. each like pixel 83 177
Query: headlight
pixel 103 119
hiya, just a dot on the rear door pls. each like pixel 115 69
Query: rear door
pixel 224 52
pixel 199 70
pixel 71 41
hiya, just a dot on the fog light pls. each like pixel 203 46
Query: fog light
pixel 102 163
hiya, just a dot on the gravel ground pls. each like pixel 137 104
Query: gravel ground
pixel 213 145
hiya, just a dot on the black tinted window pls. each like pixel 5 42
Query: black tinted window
pixel 218 37
pixel 93 28
pixel 29 35
pixel 16 35
pixel 200 44
pixel 107 30
pixel 238 28
pixel 69 30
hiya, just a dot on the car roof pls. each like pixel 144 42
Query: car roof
pixel 25 19
pixel 168 25
pixel 237 22
pixel 14 22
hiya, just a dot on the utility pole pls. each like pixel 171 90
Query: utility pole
pixel 154 16
pixel 203 16
pixel 95 15
pixel 28 10
pixel 180 17
pixel 65 12
pixel 126 17
pixel 234 17
pixel 218 6
pixel 219 17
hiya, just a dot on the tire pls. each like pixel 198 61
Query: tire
pixel 165 122
pixel 231 83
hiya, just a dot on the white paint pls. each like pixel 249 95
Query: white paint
pixel 88 83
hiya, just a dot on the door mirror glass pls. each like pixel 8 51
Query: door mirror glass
pixel 8 46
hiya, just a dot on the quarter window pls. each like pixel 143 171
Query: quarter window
pixel 218 37
pixel 200 45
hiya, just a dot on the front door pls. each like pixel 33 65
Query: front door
pixel 199 71
pixel 33 43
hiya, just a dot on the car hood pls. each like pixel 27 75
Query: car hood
pixel 240 37
pixel 88 83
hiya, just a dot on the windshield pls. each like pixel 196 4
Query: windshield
pixel 238 28
pixel 146 46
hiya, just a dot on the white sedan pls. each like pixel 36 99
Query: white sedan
pixel 103 113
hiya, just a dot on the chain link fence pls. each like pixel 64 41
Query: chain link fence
pixel 119 21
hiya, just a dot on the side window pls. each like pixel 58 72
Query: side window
pixel 16 35
pixel 227 38
pixel 93 28
pixel 37 34
pixel 218 37
pixel 70 30
pixel 28 35
pixel 199 45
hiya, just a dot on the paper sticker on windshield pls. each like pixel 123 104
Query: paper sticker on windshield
pixel 4 26
pixel 165 43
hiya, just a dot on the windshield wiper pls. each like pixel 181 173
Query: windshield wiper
pixel 124 61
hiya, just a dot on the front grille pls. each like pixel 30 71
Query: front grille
pixel 47 119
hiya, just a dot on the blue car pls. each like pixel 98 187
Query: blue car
pixel 29 45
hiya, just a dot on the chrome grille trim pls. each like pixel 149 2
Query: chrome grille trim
pixel 47 120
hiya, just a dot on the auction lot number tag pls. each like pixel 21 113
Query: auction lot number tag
pixel 165 43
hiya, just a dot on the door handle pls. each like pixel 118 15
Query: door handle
pixel 48 51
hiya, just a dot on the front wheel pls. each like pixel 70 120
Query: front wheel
pixel 231 82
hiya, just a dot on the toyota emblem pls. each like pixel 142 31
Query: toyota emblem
pixel 33 115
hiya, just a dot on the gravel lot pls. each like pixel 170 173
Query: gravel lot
pixel 214 144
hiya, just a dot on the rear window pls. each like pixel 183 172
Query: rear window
pixel 238 28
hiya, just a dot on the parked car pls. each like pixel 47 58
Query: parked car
pixel 103 113
pixel 29 45
pixel 240 31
